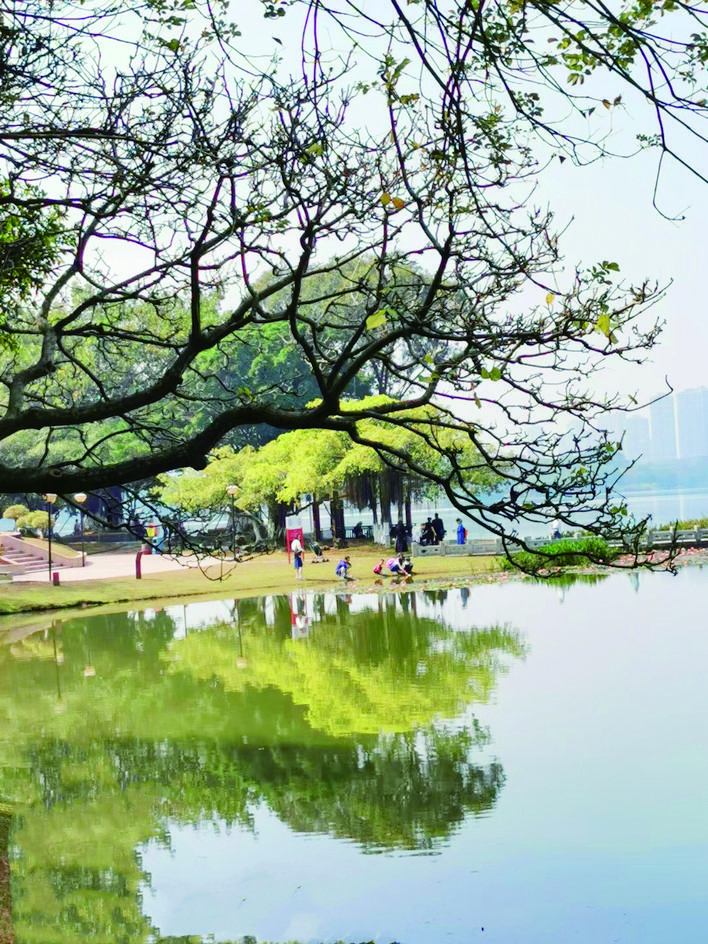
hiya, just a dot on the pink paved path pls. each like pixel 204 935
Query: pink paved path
pixel 105 566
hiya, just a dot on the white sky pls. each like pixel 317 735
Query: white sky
pixel 610 205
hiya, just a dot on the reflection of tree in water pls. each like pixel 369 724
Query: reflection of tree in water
pixel 75 865
pixel 136 747
pixel 382 669
pixel 400 792
pixel 569 580
pixel 6 932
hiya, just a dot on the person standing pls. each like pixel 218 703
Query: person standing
pixel 438 528
pixel 298 554
pixel 461 532
pixel 427 535
pixel 401 538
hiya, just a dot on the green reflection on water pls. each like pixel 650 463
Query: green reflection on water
pixel 113 728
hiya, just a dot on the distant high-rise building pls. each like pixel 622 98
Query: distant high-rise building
pixel 692 422
pixel 636 441
pixel 662 429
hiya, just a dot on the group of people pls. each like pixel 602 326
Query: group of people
pixel 398 566
pixel 298 552
pixel 432 531
pixel 395 566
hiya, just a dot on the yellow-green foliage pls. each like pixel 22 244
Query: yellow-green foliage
pixel 317 461
pixel 34 519
pixel 15 511
pixel 341 694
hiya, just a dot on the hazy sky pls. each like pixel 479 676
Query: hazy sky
pixel 610 205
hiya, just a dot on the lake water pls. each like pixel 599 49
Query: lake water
pixel 505 763
pixel 664 508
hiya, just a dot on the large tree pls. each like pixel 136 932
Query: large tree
pixel 185 164
pixel 321 464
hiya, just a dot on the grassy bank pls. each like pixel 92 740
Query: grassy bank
pixel 262 575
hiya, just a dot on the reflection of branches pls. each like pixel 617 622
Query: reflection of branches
pixel 393 793
pixel 100 801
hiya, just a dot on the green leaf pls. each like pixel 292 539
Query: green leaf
pixel 493 374
pixel 377 319
pixel 603 325
pixel 398 70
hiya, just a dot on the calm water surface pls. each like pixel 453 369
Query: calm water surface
pixel 508 763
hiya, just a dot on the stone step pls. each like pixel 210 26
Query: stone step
pixel 29 561
pixel 17 558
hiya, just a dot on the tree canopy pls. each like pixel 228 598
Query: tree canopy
pixel 321 462
pixel 355 189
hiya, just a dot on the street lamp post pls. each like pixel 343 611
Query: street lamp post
pixel 231 491
pixel 49 498
pixel 80 498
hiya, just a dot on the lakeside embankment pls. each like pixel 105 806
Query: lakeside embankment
pixel 109 579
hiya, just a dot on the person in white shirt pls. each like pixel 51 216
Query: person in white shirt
pixel 296 548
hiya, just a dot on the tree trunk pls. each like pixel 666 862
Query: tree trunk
pixel 337 515
pixel 316 519
pixel 385 501
pixel 409 513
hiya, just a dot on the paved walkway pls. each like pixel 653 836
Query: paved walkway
pixel 106 566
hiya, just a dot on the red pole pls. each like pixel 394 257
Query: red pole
pixel 138 562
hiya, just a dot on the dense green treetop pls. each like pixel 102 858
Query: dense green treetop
pixel 318 461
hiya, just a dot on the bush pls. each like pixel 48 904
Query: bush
pixel 683 525
pixel 568 552
pixel 15 511
pixel 34 520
